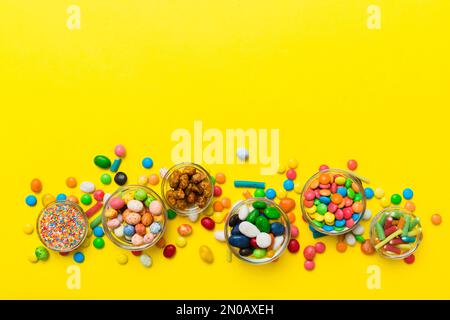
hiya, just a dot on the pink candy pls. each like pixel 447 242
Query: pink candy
pixel 309 252
pixel 309 265
pixel 156 207
pixel 120 151
pixel 117 203
pixel 294 231
pixel 291 174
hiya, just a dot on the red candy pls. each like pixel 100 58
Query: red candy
pixel 309 252
pixel 98 195
pixel 352 164
pixel 309 265
pixel 253 243
pixel 217 191
pixel 323 167
pixel 410 259
pixel 136 253
pixel 291 174
pixel 169 251
pixel 208 223
pixel 293 246
pixel 320 247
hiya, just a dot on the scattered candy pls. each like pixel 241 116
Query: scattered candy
pixel 181 242
pixel 147 163
pixel 271 193
pixel 122 259
pixel 410 206
pixel 288 185
pixel 291 174
pixel 36 185
pixel 219 236
pixel 28 228
pixel 341 246
pixel 98 231
pixel 102 162
pixel 72 199
pixel 98 243
pixel 153 179
pixel 408 194
pixel 217 191
pixel 292 163
pixel 320 247
pixel 78 257
pixel 220 178
pixel 367 247
pixel 206 254
pixel 293 246
pixel 309 265
pixel 86 199
pixel 352 164
pixel 184 230
pixel 115 165
pixel 385 202
pixel 98 195
pixel 242 154
pixel 32 258
pixel 410 259
pixel 47 199
pixel 61 197
pixel 436 219
pixel 41 253
pixel 226 202
pixel 208 223
pixel 350 239
pixel 120 178
pixel 281 169
pixel 369 193
pixel 396 199
pixel 71 182
pixel 31 200
pixel 249 184
pixel 323 167
pixel 105 178
pixel 259 193
pixel 309 252
pixel 87 187
pixel 169 251
pixel 145 260
pixel 120 151
pixel 379 193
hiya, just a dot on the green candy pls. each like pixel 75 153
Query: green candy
pixel 396 215
pixel 338 228
pixel 348 183
pixel 262 224
pixel 272 213
pixel 86 199
pixel 213 180
pixel 358 197
pixel 252 216
pixel 360 238
pixel 41 253
pixel 396 199
pixel 98 243
pixel 350 193
pixel 140 194
pixel 102 162
pixel 322 209
pixel 259 253
pixel 316 202
pixel 96 221
pixel 171 214
pixel 317 223
pixel 259 205
pixel 406 226
pixel 148 200
pixel 105 178
pixel 259 193
pixel 380 231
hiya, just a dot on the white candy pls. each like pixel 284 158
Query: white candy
pixel 242 154
pixel 193 217
pixel 87 187
pixel 359 229
pixel 248 229
pixel 278 241
pixel 263 240
pixel 350 239
pixel 243 212
pixel 119 232
pixel 219 235
pixel 135 205
pixel 162 172
pixel 146 260
pixel 367 214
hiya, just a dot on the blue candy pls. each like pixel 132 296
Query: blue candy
pixel 98 231
pixel 355 217
pixel 235 231
pixel 128 230
pixel 249 184
pixel 342 191
pixel 78 257
pixel 339 223
pixel 277 228
pixel 327 228
pixel 325 200
pixel 147 163
pixel 288 185
pixel 116 164
pixel 239 241
pixel 155 227
pixel 61 197
pixel 408 194
pixel 316 234
pixel 271 193
pixel 31 200
pixel 369 193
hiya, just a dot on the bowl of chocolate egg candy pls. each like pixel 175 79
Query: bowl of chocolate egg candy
pixel 395 233
pixel 333 201
pixel 134 217
pixel 257 230
pixel 187 188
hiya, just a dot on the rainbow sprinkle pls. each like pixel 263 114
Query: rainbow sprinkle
pixel 62 226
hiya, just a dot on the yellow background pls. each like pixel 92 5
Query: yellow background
pixel 137 70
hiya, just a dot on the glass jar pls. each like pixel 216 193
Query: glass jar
pixel 283 220
pixel 388 234
pixel 127 193
pixel 187 209
pixel 320 206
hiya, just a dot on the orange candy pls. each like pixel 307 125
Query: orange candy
pixel 367 248
pixel 436 219
pixel 226 202
pixel 287 204
pixel 324 178
pixel 314 184
pixel 36 185
pixel 247 194
pixel 71 182
pixel 325 192
pixel 336 198
pixel 217 206
pixel 291 217
pixel 72 199
pixel 357 207
pixel 161 243
pixel 220 178
pixel 341 246
pixel 153 179
pixel 409 205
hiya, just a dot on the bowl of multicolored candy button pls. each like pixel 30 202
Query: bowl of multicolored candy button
pixel 134 217
pixel 257 230
pixel 333 201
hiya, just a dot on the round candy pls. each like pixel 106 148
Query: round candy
pixel 309 265
pixel 217 191
pixel 367 248
pixel 396 199
pixel 28 228
pixel 309 252
pixel 323 167
pixel 410 259
pixel 99 195
pixel 320 247
pixel 292 163
pixel 379 193
pixel 436 219
pixel 102 162
pixel 291 174
pixel 98 231
pixel 153 179
pixel 78 257
pixel 147 163
pixel 61 197
pixel 120 151
pixel 281 169
pixel 41 253
pixel 105 178
pixel 142 180
pixel 242 154
pixel 352 164
pixel 36 185
pixel 220 178
pixel 86 199
pixel 341 246
pixel 271 193
pixel 120 178
pixel 181 242
pixel 369 193
pixel 71 182
pixel 169 251
pixel 259 193
pixel 385 202
pixel 409 205
pixel 47 199
pixel 408 194
pixel 293 246
pixel 140 195
pixel 98 243
pixel 226 202
pixel 31 200
pixel 122 259
pixel 288 185
pixel 208 223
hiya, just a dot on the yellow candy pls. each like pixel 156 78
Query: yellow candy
pixel 28 228
pixel 298 188
pixel 32 258
pixel 122 259
pixel 47 198
pixel 329 218
pixel 311 210
pixel 181 242
pixel 318 217
pixel 142 180
pixel 270 254
pixel 206 254
pixel 218 217
pixel 379 193
pixel 281 169
pixel 281 194
pixel 292 163
pixel 208 212
pixel 385 202
pixel 340 181
pixel 127 197
pixel 85 244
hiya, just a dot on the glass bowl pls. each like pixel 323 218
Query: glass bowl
pixel 176 200
pixel 335 207
pixel 390 224
pixel 62 226
pixel 233 218
pixel 132 222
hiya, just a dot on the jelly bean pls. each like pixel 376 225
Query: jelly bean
pixel 408 194
pixel 98 243
pixel 208 223
pixel 147 163
pixel 105 179
pixel 184 230
pixel 234 220
pixel 309 252
pixel 248 229
pixel 120 151
pixel 278 241
pixel 272 213
pixel 31 200
pixel 259 193
pixel 350 239
pixel 218 217
pixel 410 259
pixel 169 251
pixel 309 265
pixel 36 185
pixel 263 240
pixel 219 235
pixel 259 205
pixel 243 212
pixel 115 165
pixel 259 253
pixel 217 191
pixel 352 164
pixel 120 178
pixel 320 247
pixel 396 199
pixel 281 194
pixel 206 254
pixel 291 174
pixel 86 199
pixel 379 193
pixel 122 259
pixel 102 162
pixel 181 242
pixel 287 204
pixel 145 260
pixel 436 219
pixel 245 252
pixel 242 154
pixel 220 178
pixel 239 241
pixel 72 199
pixel 99 195
pixel 263 224
pixel 294 231
pixel 293 246
pixel 87 187
pixel 276 228
pixel 281 169
pixel 288 185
